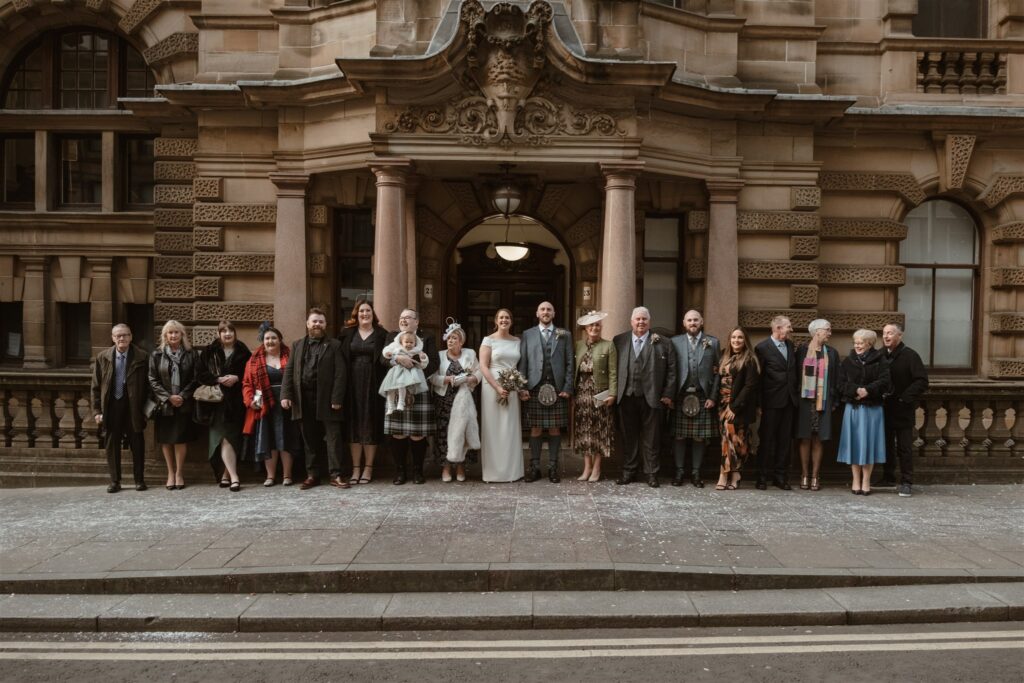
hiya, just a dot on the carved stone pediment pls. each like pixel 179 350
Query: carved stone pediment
pixel 507 97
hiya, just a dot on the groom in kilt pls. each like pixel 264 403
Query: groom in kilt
pixel 696 420
pixel 546 361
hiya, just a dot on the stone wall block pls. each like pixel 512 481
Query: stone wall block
pixel 235 214
pixel 208 189
pixel 169 266
pixel 1008 233
pixel 175 46
pixel 233 311
pixel 903 184
pixel 167 311
pixel 203 335
pixel 554 195
pixel 1007 368
pixel 1007 323
pixel 173 242
pixel 958 158
pixel 172 219
pixel 792 271
pixel 697 221
pixel 429 224
pixel 777 221
pixel 174 195
pixel 851 321
pixel 589 226
pixel 208 239
pixel 317 264
pixel 208 288
pixel 804 198
pixel 870 276
pixel 139 12
pixel 803 296
pixel 1004 278
pixel 804 247
pixel 1002 187
pixel 761 318
pixel 317 215
pixel 866 229
pixel 174 148
pixel 173 170
pixel 173 290
pixel 466 199
pixel 233 263
pixel 696 269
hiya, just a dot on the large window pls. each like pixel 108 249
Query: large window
pixel 355 259
pixel 81 171
pixel 79 68
pixel 950 18
pixel 137 172
pixel 662 271
pixel 77 339
pixel 938 299
pixel 18 164
pixel 12 342
pixel 139 317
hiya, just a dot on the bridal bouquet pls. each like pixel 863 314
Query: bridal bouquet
pixel 511 380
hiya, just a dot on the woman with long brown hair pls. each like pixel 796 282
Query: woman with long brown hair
pixel 501 441
pixel 362 342
pixel 737 406
pixel 269 424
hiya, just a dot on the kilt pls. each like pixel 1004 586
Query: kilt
pixel 415 420
pixel 556 415
pixel 702 427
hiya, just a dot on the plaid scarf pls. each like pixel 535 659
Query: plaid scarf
pixel 261 379
pixel 815 372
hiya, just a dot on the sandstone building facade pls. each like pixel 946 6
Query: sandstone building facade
pixel 861 161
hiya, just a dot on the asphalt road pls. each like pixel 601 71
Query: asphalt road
pixel 954 652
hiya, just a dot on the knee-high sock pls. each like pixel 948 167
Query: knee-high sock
pixel 679 454
pixel 554 448
pixel 419 451
pixel 698 455
pixel 536 444
pixel 399 447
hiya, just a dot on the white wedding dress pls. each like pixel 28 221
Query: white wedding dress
pixel 501 436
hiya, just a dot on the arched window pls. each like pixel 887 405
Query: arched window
pixel 940 254
pixel 79 68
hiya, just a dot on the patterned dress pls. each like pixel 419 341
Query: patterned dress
pixel 735 435
pixel 442 414
pixel 593 424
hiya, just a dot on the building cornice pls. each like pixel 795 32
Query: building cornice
pixel 716 23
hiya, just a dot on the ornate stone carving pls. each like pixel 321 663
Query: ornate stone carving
pixel 96 5
pixel 1002 186
pixel 868 229
pixel 698 221
pixel 22 5
pixel 174 46
pixel 777 221
pixel 174 148
pixel 174 170
pixel 208 288
pixel 850 321
pixel 175 195
pixel 208 239
pixel 465 197
pixel 171 219
pixel 235 214
pixel 1008 277
pixel 138 13
pixel 208 189
pixel 203 335
pixel 165 311
pixel 233 263
pixel 696 269
pixel 553 197
pixel 508 102
pixel 429 224
pixel 958 158
pixel 234 311
pixel 1007 368
pixel 1007 323
pixel 589 226
pixel 761 318
pixel 804 198
pixel 429 268
pixel 317 215
pixel 903 184
pixel 792 271
pixel 173 242
pixel 172 265
pixel 803 296
pixel 845 274
pixel 803 247
pixel 1008 233
pixel 173 290
pixel 317 264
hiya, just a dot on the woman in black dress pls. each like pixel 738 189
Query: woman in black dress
pixel 172 377
pixel 223 364
pixel 362 342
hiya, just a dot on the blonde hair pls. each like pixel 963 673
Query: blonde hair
pixel 174 325
pixel 403 335
pixel 868 336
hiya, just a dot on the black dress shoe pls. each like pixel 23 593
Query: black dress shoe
pixel 624 479
pixel 553 476
pixel 532 475
pixel 652 481
pixel 784 485
pixel 399 479
pixel 678 479
pixel 417 478
pixel 697 481
pixel 114 487
pixel 761 485
pixel 141 486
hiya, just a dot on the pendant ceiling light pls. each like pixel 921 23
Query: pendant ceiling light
pixel 506 199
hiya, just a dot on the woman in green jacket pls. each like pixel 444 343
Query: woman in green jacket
pixel 596 385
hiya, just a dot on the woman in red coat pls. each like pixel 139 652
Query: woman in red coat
pixel 265 420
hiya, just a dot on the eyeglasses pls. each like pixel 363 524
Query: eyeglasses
pixel 406 318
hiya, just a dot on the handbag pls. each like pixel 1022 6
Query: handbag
pixel 208 394
pixel 151 407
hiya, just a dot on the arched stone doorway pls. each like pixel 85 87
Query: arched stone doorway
pixel 483 282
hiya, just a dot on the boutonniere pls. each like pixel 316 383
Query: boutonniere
pixel 706 343
pixel 560 333
pixel 655 338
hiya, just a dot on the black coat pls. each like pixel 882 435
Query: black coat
pixel 160 377
pixel 909 382
pixel 745 395
pixel 779 378
pixel 872 374
pixel 213 364
pixel 331 379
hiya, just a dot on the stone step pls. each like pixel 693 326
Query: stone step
pixel 511 610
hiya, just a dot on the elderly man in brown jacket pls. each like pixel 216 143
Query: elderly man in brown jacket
pixel 120 386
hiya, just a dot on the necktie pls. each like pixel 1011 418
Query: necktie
pixel 547 336
pixel 638 346
pixel 119 375
pixel 782 350
pixel 693 343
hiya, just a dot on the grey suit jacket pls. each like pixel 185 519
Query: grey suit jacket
pixel 708 353
pixel 531 359
pixel 658 365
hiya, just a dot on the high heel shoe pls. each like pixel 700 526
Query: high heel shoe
pixel 363 478
pixel 594 477
pixel 735 484
pixel 805 483
pixel 583 477
pixel 815 484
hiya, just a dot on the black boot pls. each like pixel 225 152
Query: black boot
pixel 419 451
pixel 399 447
pixel 554 449
pixel 536 445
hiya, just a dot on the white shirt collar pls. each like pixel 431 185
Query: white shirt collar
pixel 644 337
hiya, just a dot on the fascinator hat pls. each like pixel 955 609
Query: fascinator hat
pixel 453 327
pixel 591 318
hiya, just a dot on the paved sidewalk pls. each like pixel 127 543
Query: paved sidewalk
pixel 203 530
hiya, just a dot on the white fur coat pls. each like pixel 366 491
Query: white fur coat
pixel 463 425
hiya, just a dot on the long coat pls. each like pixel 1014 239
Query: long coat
pixel 136 384
pixel 331 376
pixel 160 377
pixel 531 358
pixel 909 382
pixel 872 374
pixel 213 364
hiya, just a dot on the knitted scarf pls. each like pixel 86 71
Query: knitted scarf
pixel 815 373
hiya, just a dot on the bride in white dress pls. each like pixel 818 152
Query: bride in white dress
pixel 501 437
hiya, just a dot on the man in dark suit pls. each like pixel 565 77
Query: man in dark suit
pixel 314 389
pixel 909 382
pixel 696 419
pixel 647 383
pixel 120 386
pixel 779 398
pixel 546 361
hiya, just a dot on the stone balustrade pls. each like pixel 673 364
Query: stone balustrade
pixel 961 73
pixel 47 410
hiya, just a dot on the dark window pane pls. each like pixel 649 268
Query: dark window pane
pixel 25 86
pixel 12 343
pixel 19 170
pixel 138 170
pixel 944 19
pixel 77 71
pixel 77 341
pixel 139 317
pixel 81 170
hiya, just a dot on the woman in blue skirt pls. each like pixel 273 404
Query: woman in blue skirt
pixel 863 380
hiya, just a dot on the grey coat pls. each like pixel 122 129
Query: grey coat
pixel 531 359
pixel 708 353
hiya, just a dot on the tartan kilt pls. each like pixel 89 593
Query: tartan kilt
pixel 545 417
pixel 415 420
pixel 702 427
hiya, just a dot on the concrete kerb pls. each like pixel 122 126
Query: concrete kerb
pixel 500 577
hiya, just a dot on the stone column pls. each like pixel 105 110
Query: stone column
pixel 390 281
pixel 618 245
pixel 412 183
pixel 721 296
pixel 34 307
pixel 101 302
pixel 291 264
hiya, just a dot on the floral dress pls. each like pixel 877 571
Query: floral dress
pixel 593 424
pixel 735 435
